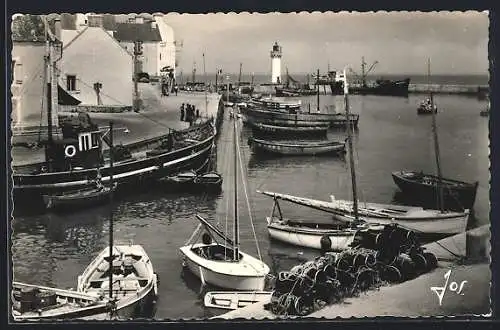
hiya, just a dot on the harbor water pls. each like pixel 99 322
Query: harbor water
pixel 52 250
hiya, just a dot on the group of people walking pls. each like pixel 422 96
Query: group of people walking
pixel 189 113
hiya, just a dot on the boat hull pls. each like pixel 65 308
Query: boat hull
pixel 456 195
pixel 222 278
pixel 269 147
pixel 390 88
pixel 260 129
pixel 310 237
pixel 234 300
pixel 61 203
pixel 453 224
pixel 280 118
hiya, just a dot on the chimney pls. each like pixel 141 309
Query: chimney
pixel 95 20
pixel 57 28
pixel 153 25
pixel 139 20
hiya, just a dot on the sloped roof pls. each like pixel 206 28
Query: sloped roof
pixel 136 32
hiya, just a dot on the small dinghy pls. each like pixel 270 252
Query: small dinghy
pixel 299 148
pixel 211 181
pixel 79 198
pixel 135 284
pixel 181 179
pixel 35 302
pixel 232 300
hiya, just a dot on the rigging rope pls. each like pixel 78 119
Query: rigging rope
pixel 243 179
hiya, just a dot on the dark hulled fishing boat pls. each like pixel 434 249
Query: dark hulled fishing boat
pixel 383 87
pixel 426 188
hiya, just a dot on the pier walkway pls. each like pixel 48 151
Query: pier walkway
pixel 414 298
pixel 157 116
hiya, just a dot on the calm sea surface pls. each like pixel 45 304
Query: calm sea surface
pixel 53 250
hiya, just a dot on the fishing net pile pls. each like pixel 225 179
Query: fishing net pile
pixel 374 259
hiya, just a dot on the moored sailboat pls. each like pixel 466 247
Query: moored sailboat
pixel 222 264
pixel 428 188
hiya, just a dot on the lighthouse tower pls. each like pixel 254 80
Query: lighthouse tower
pixel 276 64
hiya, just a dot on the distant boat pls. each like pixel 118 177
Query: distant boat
pixel 232 300
pixel 293 88
pixel 260 129
pixel 427 107
pixel 223 264
pixel 297 148
pixel 35 302
pixel 383 87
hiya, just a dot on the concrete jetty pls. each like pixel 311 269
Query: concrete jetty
pixel 466 255
pixel 157 116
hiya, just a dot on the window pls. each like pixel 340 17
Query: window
pixel 71 82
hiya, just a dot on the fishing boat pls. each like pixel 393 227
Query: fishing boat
pixel 134 282
pixel 428 188
pixel 71 159
pixel 276 104
pixel 78 198
pixel 384 87
pixel 122 274
pixel 222 264
pixel 260 129
pixel 211 181
pixel 293 88
pixel 297 148
pixel 427 107
pixel 35 302
pixel 232 300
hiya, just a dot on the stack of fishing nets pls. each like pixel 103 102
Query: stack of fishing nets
pixel 374 259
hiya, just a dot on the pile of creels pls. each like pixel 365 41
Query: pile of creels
pixel 392 255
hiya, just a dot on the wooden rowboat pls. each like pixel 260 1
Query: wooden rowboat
pixel 297 148
pixel 232 300
pixel 78 198
pixel 135 284
pixel 295 131
pixel 35 302
pixel 210 181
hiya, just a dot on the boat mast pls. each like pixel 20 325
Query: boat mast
pixel 436 142
pixel 47 92
pixel 317 91
pixel 205 76
pixel 363 77
pixel 236 253
pixel 111 210
pixel 351 153
pixel 239 76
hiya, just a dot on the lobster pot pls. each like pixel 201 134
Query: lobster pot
pixel 477 246
pixel 28 298
pixel 45 299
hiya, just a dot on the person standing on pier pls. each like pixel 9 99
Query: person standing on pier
pixel 176 89
pixel 197 113
pixel 182 112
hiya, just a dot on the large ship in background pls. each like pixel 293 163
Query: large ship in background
pixel 362 86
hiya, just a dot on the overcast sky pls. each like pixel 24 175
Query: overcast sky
pixel 456 42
